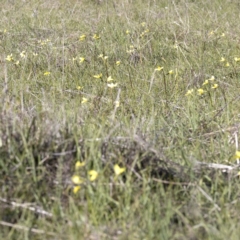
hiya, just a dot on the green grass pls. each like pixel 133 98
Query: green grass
pixel 157 133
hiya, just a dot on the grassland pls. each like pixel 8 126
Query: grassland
pixel 111 112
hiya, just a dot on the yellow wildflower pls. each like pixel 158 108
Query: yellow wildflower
pixel 82 37
pixel 112 85
pixel 127 32
pixel 76 189
pixel 84 100
pixel 215 86
pixel 77 179
pixel 118 170
pixel 143 24
pixel 222 59
pixel 223 35
pixel 23 54
pixel 212 78
pixel 205 82
pixel 117 104
pixel 9 58
pixel 237 154
pixel 200 91
pixel 118 63
pixel 189 92
pixel 227 64
pixel 98 75
pixel 103 57
pixel 158 68
pixel 46 73
pixel 130 51
pixel 237 59
pixel 92 175
pixel 109 79
pixel 96 36
pixel 79 165
pixel 175 46
pixel 170 72
pixel 81 59
pixel 79 87
pixel 43 42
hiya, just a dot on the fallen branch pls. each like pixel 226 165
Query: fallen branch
pixel 28 206
pixel 20 227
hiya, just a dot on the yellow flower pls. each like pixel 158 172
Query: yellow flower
pixel 17 63
pixel 35 54
pixel 189 92
pixel 215 86
pixel 146 31
pixel 43 42
pixel 118 63
pixel 143 24
pixel 158 68
pixel 222 59
pixel 84 100
pixel 109 79
pixel 96 36
pixel 117 104
pixel 130 51
pixel 170 72
pixel 81 59
pixel 76 189
pixel 103 57
pixel 212 78
pixel 112 85
pixel 127 32
pixel 237 59
pixel 23 54
pixel 79 165
pixel 205 82
pixel 175 46
pixel 92 175
pixel 79 87
pixel 237 154
pixel 118 170
pixel 223 35
pixel 9 58
pixel 77 179
pixel 97 76
pixel 46 73
pixel 82 37
pixel 200 91
pixel 227 64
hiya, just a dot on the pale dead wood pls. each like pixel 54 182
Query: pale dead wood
pixel 27 206
pixel 20 227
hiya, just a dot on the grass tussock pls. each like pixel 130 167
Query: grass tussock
pixel 119 119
